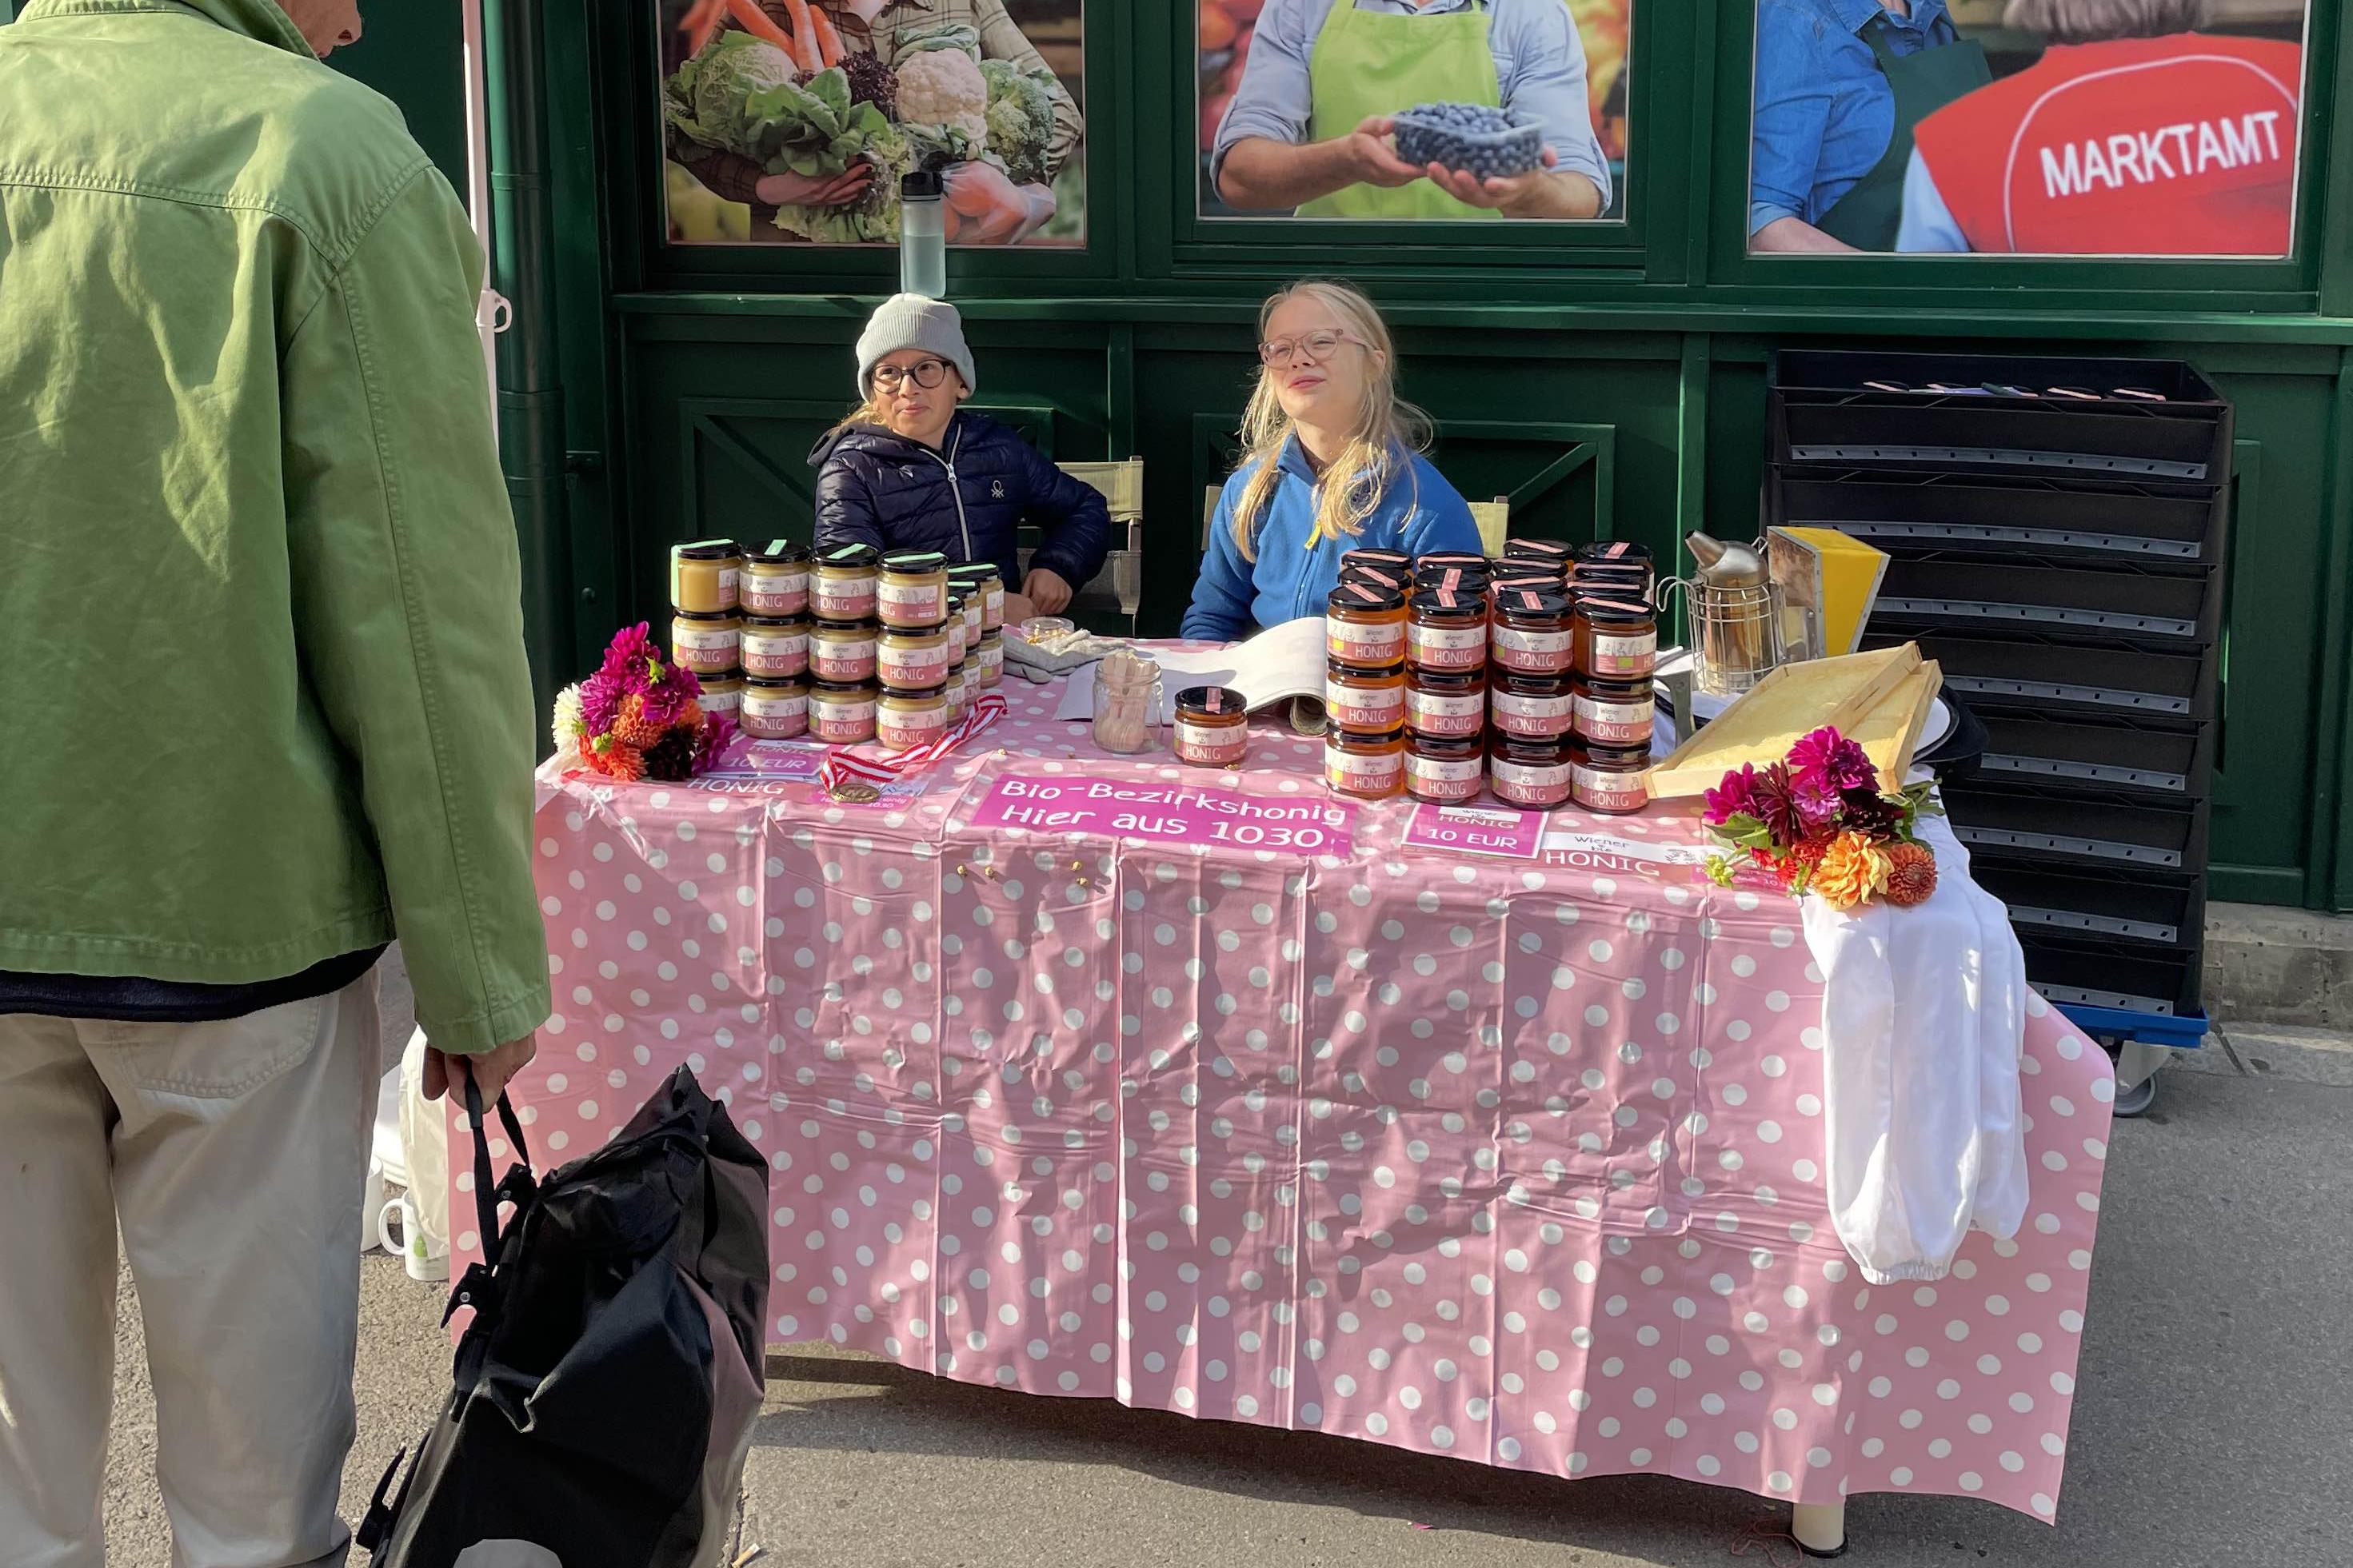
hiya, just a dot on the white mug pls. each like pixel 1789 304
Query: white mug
pixel 414 1244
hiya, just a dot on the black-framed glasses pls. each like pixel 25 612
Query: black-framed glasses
pixel 924 372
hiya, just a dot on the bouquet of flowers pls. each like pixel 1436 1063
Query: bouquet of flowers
pixel 639 717
pixel 1819 823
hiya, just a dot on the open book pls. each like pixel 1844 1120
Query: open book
pixel 1282 666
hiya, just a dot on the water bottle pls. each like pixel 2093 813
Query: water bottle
pixel 922 237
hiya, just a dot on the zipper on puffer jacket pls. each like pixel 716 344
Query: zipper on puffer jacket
pixel 955 444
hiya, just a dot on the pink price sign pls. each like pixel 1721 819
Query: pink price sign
pixel 1168 814
pixel 1476 830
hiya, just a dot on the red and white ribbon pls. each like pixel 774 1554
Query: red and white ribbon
pixel 840 767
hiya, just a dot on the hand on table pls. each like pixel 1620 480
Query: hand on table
pixel 814 191
pixel 985 207
pixel 1374 154
pixel 492 1069
pixel 1047 592
pixel 1492 192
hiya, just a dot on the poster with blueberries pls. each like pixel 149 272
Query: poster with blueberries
pixel 1414 110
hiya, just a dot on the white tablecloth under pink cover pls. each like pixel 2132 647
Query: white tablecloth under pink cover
pixel 1518 1161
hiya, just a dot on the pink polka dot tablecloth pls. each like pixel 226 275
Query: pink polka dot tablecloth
pixel 1518 1161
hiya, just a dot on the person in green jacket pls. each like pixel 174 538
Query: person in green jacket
pixel 267 707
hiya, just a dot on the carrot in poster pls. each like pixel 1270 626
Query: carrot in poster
pixel 804 30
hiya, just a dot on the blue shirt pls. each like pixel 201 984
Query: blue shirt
pixel 1234 597
pixel 1539 63
pixel 1824 111
pixel 1928 224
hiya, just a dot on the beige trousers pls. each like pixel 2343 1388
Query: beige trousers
pixel 231 1156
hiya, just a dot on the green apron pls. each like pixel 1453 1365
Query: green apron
pixel 1869 215
pixel 1374 62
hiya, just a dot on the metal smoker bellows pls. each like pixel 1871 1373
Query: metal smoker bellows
pixel 1734 610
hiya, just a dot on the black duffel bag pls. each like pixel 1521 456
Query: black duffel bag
pixel 606 1390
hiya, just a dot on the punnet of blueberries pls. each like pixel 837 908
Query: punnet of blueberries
pixel 1474 137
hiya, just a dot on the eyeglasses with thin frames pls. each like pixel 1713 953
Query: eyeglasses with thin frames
pixel 925 373
pixel 1319 346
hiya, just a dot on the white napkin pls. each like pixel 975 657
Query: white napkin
pixel 1923 1018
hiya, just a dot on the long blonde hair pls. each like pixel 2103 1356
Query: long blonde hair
pixel 1388 427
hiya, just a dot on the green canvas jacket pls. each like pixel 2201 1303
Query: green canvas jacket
pixel 262 684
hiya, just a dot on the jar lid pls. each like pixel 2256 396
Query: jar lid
pixel 843 628
pixel 1467 605
pixel 1518 604
pixel 732 677
pixel 1446 748
pixel 1366 596
pixel 995 638
pixel 780 552
pixel 1211 699
pixel 977 570
pixel 1616 612
pixel 1350 741
pixel 1472 579
pixel 1615 759
pixel 1615 550
pixel 843 689
pixel 934 630
pixel 705 550
pixel 1610 686
pixel 915 563
pixel 1397 558
pixel 1538 549
pixel 1336 670
pixel 935 692
pixel 1453 558
pixel 1453 680
pixel 704 616
pixel 849 555
pixel 776 686
pixel 1532 749
pixel 1542 580
pixel 776 623
pixel 1379 577
pixel 1521 685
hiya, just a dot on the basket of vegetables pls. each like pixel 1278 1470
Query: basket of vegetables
pixel 1473 138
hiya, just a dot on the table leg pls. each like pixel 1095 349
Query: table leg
pixel 1819 1527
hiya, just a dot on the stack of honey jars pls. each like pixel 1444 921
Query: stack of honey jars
pixel 1529 676
pixel 739 620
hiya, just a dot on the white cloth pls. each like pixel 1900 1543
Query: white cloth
pixel 1923 1018
pixel 231 1156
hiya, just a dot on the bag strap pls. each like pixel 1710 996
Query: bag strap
pixel 486 1189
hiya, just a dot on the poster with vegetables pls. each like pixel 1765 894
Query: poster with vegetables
pixel 791 122
pixel 1413 110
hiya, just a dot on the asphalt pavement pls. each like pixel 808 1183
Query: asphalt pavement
pixel 2213 1416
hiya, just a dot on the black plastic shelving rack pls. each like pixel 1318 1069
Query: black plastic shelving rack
pixel 2056 539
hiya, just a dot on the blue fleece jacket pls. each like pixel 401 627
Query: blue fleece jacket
pixel 1235 598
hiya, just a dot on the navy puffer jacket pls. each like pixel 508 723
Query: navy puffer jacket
pixel 965 499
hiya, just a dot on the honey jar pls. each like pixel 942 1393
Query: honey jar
pixel 775 581
pixel 1532 632
pixel 842 653
pixel 1612 712
pixel 959 690
pixel 913 590
pixel 1534 773
pixel 982 581
pixel 1212 727
pixel 908 658
pixel 723 694
pixel 1446 629
pixel 841 713
pixel 775 710
pixel 843 582
pixel 774 649
pixel 905 720
pixel 1609 779
pixel 705 576
pixel 1532 707
pixel 1365 702
pixel 964 621
pixel 1617 639
pixel 989 660
pixel 1369 767
pixel 1364 626
pixel 706 643
pixel 1444 771
pixel 1615 564
pixel 1442 705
